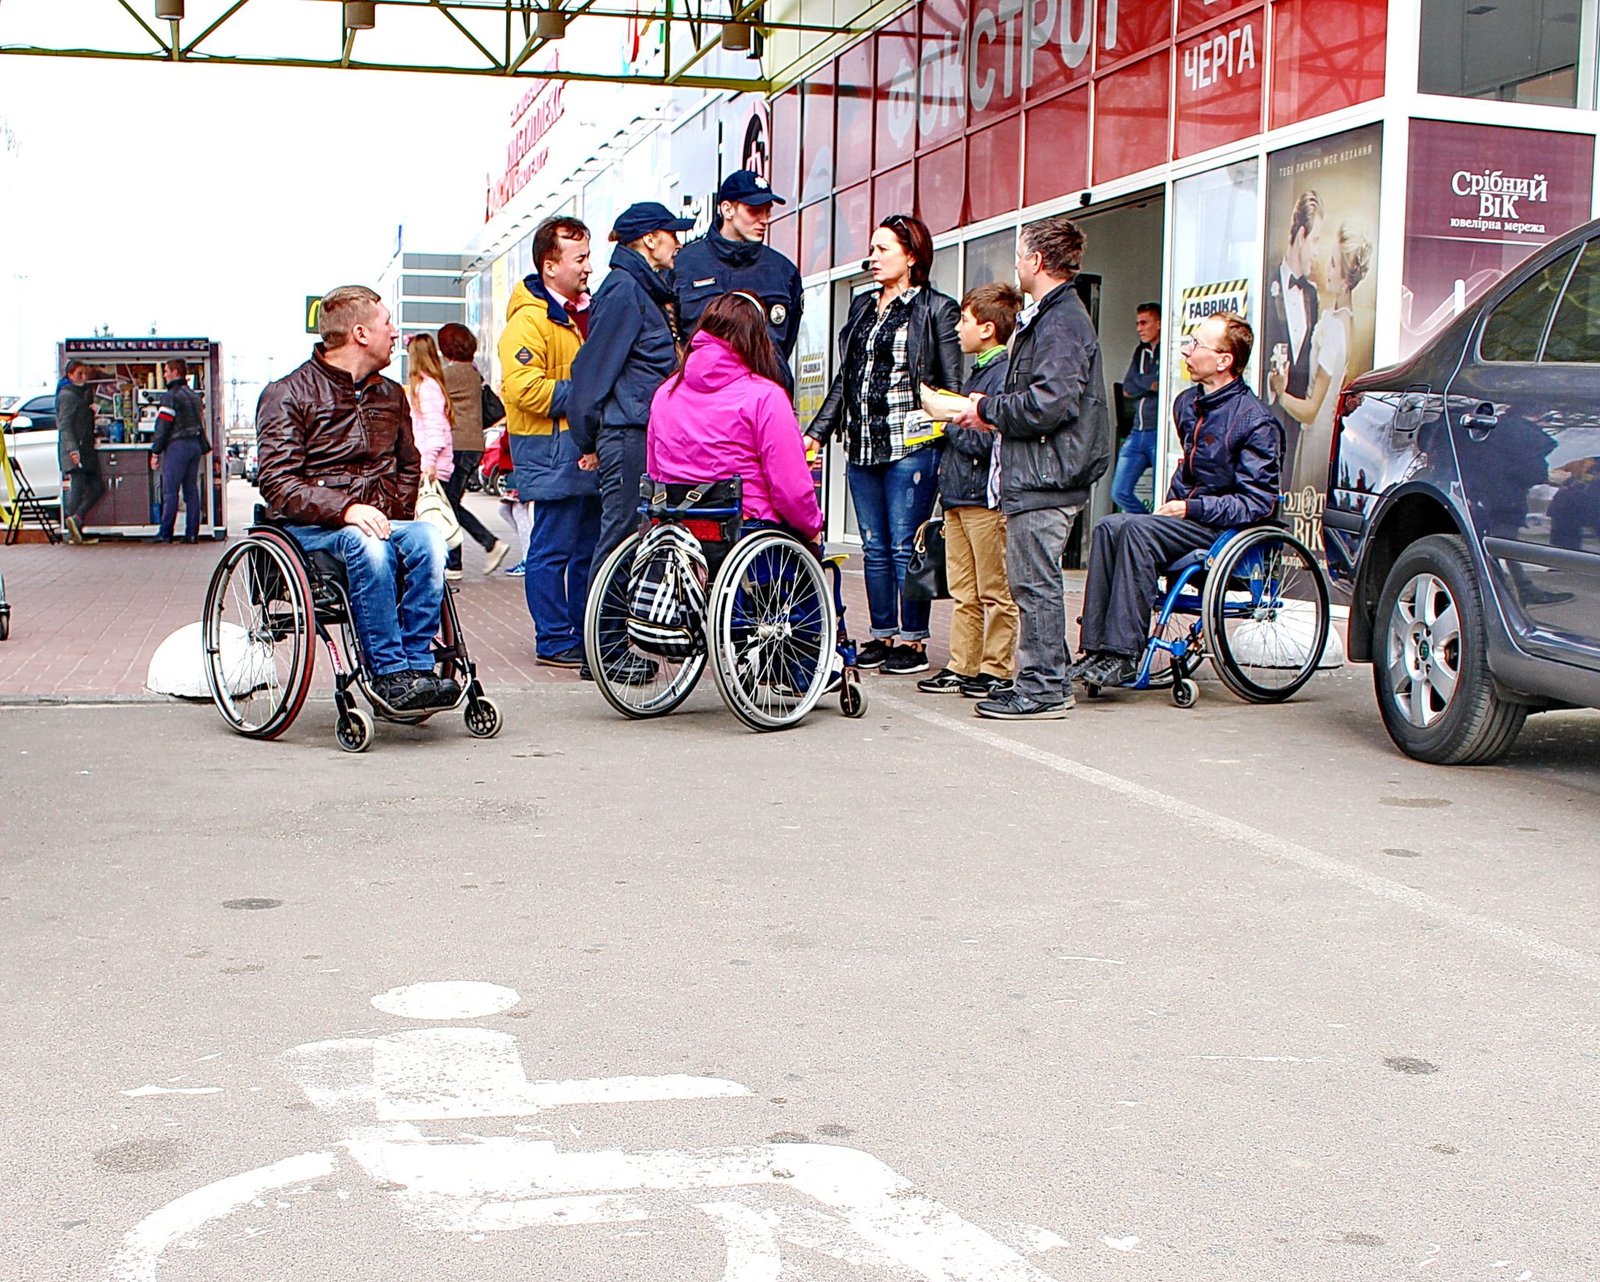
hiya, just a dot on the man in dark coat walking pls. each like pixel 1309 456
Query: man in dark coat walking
pixel 81 482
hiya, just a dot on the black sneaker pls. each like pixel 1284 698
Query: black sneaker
pixel 1085 661
pixel 906 661
pixel 985 686
pixel 1112 670
pixel 404 691
pixel 873 654
pixel 945 681
pixel 632 670
pixel 1012 706
pixel 447 690
pixel 572 658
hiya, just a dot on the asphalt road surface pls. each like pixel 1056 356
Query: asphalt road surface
pixel 1235 994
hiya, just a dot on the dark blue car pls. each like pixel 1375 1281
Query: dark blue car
pixel 1463 513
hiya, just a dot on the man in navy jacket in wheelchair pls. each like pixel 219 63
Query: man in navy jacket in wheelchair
pixel 1228 477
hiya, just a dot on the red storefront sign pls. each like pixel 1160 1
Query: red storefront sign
pixel 984 105
pixel 1326 54
pixel 1219 83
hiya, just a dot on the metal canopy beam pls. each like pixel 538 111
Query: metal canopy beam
pixel 461 30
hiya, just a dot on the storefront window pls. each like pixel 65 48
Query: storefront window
pixel 1522 52
pixel 992 258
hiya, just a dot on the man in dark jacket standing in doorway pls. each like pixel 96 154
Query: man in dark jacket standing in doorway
pixel 80 465
pixel 734 255
pixel 179 445
pixel 1055 442
pixel 1229 476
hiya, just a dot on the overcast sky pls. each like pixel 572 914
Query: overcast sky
pixel 210 201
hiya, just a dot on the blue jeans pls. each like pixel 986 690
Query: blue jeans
pixel 1138 455
pixel 892 500
pixel 180 471
pixel 392 640
pixel 560 549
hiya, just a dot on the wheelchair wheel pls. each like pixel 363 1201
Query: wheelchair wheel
pixel 354 731
pixel 483 718
pixel 259 635
pixel 1185 693
pixel 1266 615
pixel 852 698
pixel 771 631
pixel 636 684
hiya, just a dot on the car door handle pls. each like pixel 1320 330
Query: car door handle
pixel 1480 419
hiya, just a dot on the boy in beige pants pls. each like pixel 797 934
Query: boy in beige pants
pixel 983 629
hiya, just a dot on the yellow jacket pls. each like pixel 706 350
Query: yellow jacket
pixel 536 351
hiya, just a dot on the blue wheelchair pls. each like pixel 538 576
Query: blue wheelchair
pixel 1255 603
pixel 757 604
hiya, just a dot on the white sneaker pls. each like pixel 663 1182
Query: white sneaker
pixel 496 556
pixel 452 576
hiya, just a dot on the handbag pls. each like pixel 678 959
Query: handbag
pixel 491 407
pixel 434 507
pixel 926 578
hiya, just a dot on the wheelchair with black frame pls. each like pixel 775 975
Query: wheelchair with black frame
pixel 1255 602
pixel 697 584
pixel 268 602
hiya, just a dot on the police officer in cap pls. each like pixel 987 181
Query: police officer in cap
pixel 734 256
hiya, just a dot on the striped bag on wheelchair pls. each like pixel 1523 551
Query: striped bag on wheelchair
pixel 667 593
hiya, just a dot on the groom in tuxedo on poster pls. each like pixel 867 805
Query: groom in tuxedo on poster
pixel 1292 299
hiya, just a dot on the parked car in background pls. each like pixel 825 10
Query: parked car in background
pixel 1463 513
pixel 252 462
pixel 30 430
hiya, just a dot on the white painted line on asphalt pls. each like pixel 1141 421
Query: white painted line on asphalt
pixel 140 1091
pixel 1271 846
pixel 141 1250
pixel 447 999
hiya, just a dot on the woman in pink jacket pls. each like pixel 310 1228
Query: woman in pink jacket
pixel 432 418
pixel 725 413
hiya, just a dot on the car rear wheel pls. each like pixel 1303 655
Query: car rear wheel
pixel 1431 669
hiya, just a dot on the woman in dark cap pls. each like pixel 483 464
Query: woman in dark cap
pixel 630 350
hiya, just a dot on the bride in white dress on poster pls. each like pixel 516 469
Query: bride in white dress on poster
pixel 1336 276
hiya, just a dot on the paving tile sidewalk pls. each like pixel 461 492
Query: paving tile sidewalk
pixel 86 621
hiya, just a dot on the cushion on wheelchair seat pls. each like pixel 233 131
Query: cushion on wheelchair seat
pixel 1194 558
pixel 329 565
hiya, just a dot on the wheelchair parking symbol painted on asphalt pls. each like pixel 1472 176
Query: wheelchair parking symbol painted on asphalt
pixel 766 1201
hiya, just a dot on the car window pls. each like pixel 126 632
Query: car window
pixel 40 405
pixel 1516 326
pixel 1575 332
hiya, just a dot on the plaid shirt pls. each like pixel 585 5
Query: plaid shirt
pixel 883 387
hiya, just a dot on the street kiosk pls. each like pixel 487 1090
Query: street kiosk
pixel 126 378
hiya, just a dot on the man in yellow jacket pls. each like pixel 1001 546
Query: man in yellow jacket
pixel 545 321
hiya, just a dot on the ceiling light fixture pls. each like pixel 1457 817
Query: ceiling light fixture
pixel 552 24
pixel 170 10
pixel 736 36
pixel 360 15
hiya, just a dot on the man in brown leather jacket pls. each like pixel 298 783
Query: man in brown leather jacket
pixel 338 465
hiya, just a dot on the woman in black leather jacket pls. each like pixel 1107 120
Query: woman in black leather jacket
pixel 896 337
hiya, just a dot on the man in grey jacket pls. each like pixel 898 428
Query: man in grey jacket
pixel 1055 442
pixel 82 484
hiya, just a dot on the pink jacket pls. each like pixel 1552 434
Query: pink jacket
pixel 724 421
pixel 430 428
